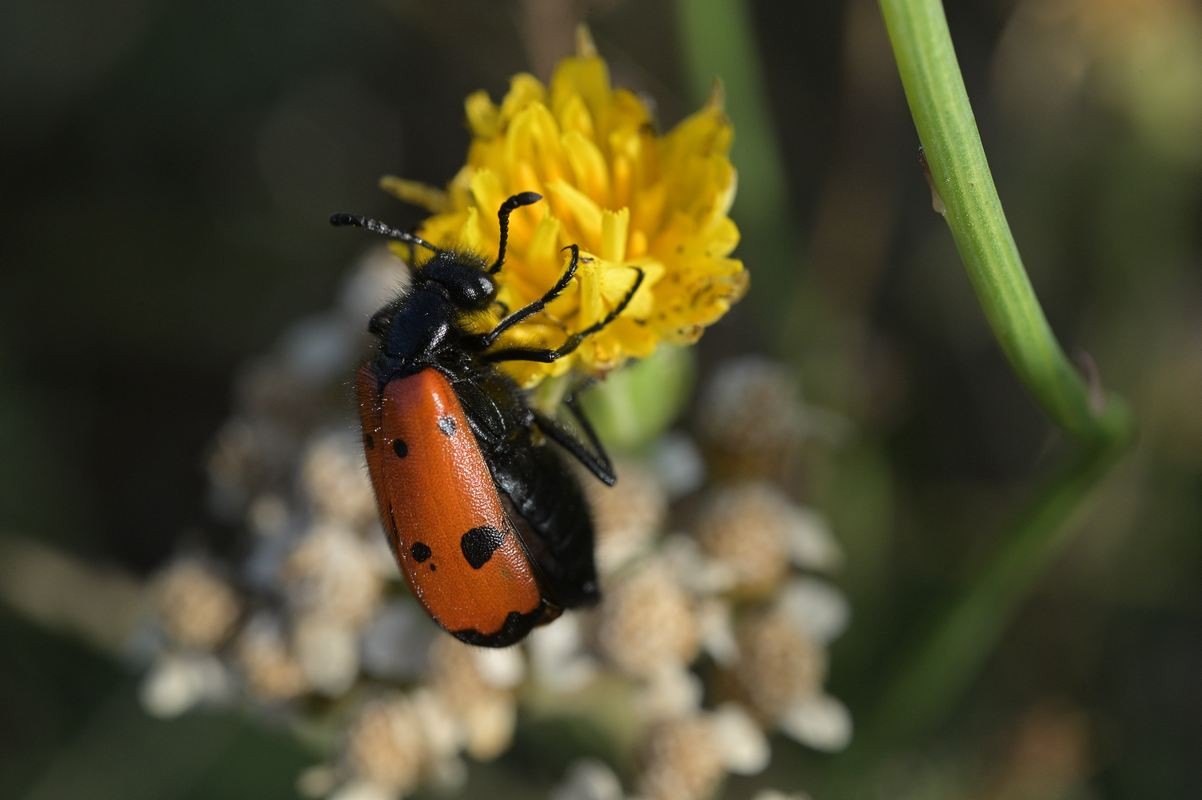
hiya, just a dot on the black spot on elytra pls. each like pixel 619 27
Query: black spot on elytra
pixel 369 441
pixel 446 425
pixel 433 567
pixel 420 551
pixel 401 449
pixel 479 544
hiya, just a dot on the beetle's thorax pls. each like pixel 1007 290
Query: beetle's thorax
pixel 420 327
pixel 429 320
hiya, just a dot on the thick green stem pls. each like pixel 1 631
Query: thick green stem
pixel 961 177
pixel 947 658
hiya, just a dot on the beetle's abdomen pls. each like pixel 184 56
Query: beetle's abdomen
pixel 552 511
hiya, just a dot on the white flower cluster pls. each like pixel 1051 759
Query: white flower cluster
pixel 711 634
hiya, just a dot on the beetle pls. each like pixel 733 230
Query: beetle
pixel 487 522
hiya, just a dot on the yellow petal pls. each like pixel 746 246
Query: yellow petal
pixel 638 244
pixel 614 225
pixel 721 237
pixel 648 209
pixel 543 258
pixel 573 206
pixel 533 139
pixel 415 193
pixel 531 270
pixel 717 98
pixel 470 236
pixel 459 189
pixel 588 166
pixel 706 132
pixel 487 191
pixel 616 283
pixel 524 90
pixel 728 182
pixel 591 307
pixel 524 177
pixel 587 77
pixel 584 42
pixel 575 117
pixel 444 230
pixel 483 117
pixel 628 112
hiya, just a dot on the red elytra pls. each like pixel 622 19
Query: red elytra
pixel 445 520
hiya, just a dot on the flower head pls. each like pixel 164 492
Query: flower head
pixel 197 607
pixel 629 197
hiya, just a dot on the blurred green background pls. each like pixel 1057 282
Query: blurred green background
pixel 168 168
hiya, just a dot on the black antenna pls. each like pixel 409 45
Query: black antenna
pixel 375 226
pixel 507 208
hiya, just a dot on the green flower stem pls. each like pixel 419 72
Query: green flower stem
pixel 947 659
pixel 961 177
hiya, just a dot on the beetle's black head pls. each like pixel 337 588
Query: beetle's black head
pixel 420 322
pixel 463 277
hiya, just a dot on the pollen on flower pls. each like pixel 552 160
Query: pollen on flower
pixel 627 195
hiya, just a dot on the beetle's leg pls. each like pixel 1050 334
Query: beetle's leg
pixel 593 455
pixel 546 356
pixel 538 305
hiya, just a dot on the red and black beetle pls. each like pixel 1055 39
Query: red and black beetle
pixel 487 522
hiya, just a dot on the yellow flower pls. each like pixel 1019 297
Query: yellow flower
pixel 626 195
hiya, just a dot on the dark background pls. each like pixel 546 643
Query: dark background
pixel 167 171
